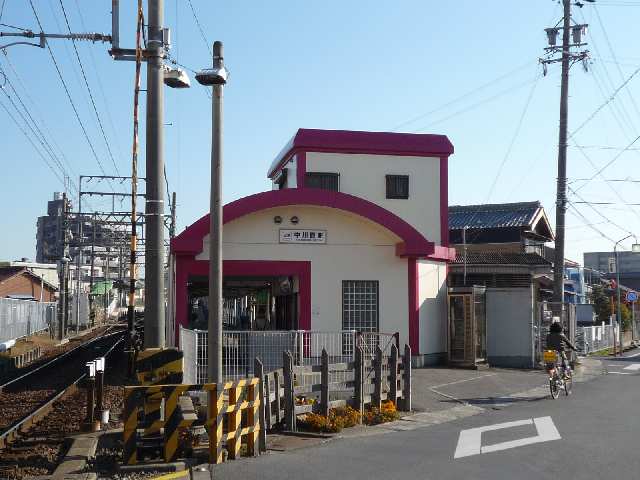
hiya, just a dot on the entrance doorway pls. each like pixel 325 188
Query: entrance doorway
pixel 467 326
pixel 255 303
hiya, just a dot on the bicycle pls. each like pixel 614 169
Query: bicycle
pixel 560 376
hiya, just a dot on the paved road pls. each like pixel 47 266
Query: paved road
pixel 597 426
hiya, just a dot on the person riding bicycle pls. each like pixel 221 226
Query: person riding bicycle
pixel 556 340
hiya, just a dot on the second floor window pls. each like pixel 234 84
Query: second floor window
pixel 325 181
pixel 398 186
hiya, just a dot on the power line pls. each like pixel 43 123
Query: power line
pixel 588 224
pixel 100 87
pixel 24 132
pixel 461 97
pixel 477 104
pixel 86 82
pixel 204 37
pixel 610 162
pixel 36 132
pixel 608 100
pixel 600 214
pixel 513 139
pixel 66 89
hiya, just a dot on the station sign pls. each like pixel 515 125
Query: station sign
pixel 302 236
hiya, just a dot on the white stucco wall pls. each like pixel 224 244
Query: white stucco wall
pixel 432 297
pixel 363 175
pixel 356 249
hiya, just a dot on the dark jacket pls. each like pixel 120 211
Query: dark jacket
pixel 557 340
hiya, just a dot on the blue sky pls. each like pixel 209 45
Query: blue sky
pixel 466 69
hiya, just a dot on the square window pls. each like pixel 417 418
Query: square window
pixel 397 186
pixel 324 181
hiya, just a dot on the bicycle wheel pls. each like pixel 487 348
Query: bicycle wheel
pixel 553 387
pixel 568 382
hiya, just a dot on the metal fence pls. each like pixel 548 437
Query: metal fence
pixel 240 348
pixel 19 318
pixel 593 339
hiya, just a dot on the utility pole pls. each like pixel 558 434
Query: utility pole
pixel 93 257
pixel 217 78
pixel 172 227
pixel 569 32
pixel 62 271
pixel 154 328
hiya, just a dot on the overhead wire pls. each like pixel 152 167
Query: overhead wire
pixel 502 93
pixel 32 125
pixel 105 102
pixel 463 96
pixel 204 37
pixel 66 89
pixel 24 132
pixel 86 82
pixel 513 139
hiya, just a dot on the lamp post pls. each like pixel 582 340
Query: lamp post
pixel 215 77
pixel 635 247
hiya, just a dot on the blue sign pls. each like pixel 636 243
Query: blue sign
pixel 632 296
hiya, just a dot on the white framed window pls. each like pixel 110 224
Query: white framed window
pixel 360 305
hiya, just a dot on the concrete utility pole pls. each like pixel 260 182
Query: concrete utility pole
pixel 569 32
pixel 62 272
pixel 154 321
pixel 217 78
pixel 561 192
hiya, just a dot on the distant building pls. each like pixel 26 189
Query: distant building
pixel 629 264
pixel 20 282
pixel 507 227
pixel 110 252
pixel 47 271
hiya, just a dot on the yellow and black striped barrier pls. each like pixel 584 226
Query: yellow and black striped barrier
pixel 159 366
pixel 240 395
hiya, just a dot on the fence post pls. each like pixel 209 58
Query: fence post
pixel 289 397
pixel 267 401
pixel 377 392
pixel 324 384
pixel 406 374
pixel 263 395
pixel 235 423
pixel 276 383
pixel 393 368
pixel 358 380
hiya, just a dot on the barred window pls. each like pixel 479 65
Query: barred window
pixel 325 181
pixel 398 186
pixel 360 305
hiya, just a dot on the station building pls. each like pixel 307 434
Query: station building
pixel 352 236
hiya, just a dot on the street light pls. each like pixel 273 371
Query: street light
pixel 215 77
pixel 635 248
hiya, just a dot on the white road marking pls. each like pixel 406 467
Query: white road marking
pixel 621 373
pixel 633 367
pixel 470 440
pixel 464 380
pixel 634 355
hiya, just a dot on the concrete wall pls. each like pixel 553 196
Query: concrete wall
pixel 356 249
pixel 432 296
pixel 364 176
pixel 510 315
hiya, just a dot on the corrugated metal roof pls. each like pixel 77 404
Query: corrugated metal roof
pixel 501 215
pixel 501 258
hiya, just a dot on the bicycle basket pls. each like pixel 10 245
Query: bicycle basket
pixel 550 356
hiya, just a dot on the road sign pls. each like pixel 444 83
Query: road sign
pixel 632 296
pixel 470 440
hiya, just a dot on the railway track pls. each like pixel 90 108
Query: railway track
pixel 26 400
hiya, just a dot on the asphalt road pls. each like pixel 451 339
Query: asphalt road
pixel 592 434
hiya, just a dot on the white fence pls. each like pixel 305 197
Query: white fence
pixel 240 348
pixel 593 339
pixel 19 318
